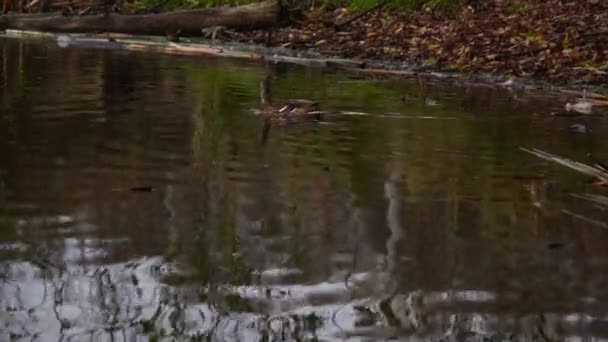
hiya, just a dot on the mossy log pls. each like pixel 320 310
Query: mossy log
pixel 187 22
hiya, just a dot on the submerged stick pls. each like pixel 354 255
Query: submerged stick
pixel 580 167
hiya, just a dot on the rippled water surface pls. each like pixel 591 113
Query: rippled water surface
pixel 142 198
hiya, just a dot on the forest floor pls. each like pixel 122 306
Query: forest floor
pixel 556 41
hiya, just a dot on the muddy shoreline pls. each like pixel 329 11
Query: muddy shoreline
pixel 372 69
pixel 532 45
pixel 592 95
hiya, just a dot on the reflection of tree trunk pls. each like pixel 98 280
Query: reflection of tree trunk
pixel 21 56
pixel 393 219
pixel 395 305
pixel 172 231
pixel 265 132
pixel 265 95
pixel 4 66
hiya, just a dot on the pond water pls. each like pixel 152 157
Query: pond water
pixel 142 198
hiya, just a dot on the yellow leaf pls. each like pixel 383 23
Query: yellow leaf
pixel 430 61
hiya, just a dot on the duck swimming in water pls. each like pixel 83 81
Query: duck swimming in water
pixel 290 109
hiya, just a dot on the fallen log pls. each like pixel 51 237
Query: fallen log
pixel 188 22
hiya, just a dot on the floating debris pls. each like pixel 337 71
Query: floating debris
pixel 64 41
pixel 427 117
pixel 582 106
pixel 353 113
pixel 508 83
pixel 142 189
pixel 579 128
pixel 556 245
pixel 430 102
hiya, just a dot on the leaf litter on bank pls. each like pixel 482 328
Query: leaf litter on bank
pixel 554 40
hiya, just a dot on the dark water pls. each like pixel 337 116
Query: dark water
pixel 143 199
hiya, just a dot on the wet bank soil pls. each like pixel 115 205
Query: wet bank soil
pixel 558 41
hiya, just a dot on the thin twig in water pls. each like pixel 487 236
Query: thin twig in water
pixel 598 199
pixel 586 219
pixel 580 167
pixel 334 314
